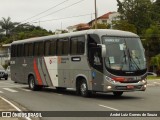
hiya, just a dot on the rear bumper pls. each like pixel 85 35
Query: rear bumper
pixel 4 76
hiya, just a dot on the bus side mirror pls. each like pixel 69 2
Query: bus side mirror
pixel 103 50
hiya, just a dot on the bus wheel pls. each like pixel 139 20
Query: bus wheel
pixel 32 84
pixel 117 94
pixel 84 89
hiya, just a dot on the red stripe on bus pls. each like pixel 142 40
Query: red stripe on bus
pixel 47 71
pixel 37 73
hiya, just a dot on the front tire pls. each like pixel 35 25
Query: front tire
pixel 32 84
pixel 84 89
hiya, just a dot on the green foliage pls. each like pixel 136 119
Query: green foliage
pixel 7 25
pixel 152 40
pixel 156 11
pixel 136 12
pixel 124 25
pixel 101 26
pixel 155 61
pixel 15 31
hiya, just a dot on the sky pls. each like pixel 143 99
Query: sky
pixel 24 11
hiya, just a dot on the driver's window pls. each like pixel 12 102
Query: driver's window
pixel 94 54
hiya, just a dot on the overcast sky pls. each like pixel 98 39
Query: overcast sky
pixel 20 10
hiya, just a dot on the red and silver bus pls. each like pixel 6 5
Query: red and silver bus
pixel 88 61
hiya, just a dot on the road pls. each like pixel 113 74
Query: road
pixel 50 100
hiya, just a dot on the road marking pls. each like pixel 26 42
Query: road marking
pixel 10 90
pixel 1 92
pixel 27 118
pixel 25 89
pixel 108 107
pixel 13 84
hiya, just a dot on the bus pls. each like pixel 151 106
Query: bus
pixel 88 61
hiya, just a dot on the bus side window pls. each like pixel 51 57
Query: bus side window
pixel 30 52
pixel 36 49
pixel 47 48
pixel 41 49
pixel 13 51
pixel 25 49
pixel 52 50
pixel 77 45
pixel 63 46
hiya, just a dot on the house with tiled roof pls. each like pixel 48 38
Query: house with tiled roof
pixel 78 27
pixel 106 18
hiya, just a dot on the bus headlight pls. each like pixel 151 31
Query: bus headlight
pixel 109 87
pixel 142 81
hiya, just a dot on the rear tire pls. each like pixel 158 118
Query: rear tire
pixel 32 84
pixel 117 94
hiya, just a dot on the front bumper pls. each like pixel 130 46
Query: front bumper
pixel 125 87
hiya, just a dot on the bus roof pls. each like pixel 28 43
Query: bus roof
pixel 100 32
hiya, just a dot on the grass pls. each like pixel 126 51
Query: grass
pixel 150 77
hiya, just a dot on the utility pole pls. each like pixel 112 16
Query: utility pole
pixel 95 14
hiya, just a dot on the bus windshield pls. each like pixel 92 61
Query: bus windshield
pixel 124 53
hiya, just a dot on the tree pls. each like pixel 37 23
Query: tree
pixel 152 40
pixel 136 12
pixel 7 25
pixel 124 25
pixel 155 63
pixel 156 11
pixel 101 26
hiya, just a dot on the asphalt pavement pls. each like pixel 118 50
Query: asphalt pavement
pixel 17 97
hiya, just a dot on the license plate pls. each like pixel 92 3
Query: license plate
pixel 130 86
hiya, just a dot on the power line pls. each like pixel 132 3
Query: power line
pixel 44 11
pixel 58 10
pixel 64 18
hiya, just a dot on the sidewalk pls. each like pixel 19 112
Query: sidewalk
pixel 155 82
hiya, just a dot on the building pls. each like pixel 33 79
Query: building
pixel 5 54
pixel 106 19
pixel 78 27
